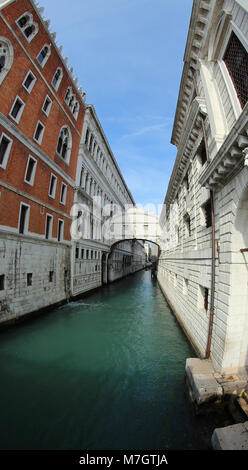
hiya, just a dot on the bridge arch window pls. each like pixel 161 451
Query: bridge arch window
pixel 27 26
pixel 6 57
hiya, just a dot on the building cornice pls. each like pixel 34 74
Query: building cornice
pixel 91 109
pixel 192 132
pixel 202 12
pixel 52 36
pixel 230 157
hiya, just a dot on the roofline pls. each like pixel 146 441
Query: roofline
pixel 91 108
pixel 191 56
pixel 5 3
pixel 45 23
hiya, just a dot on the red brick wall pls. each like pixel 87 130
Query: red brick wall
pixel 58 117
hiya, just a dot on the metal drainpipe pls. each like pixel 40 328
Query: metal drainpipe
pixel 211 312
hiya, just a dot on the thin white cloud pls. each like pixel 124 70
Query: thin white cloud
pixel 145 130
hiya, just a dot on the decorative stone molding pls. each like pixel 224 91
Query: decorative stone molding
pixel 230 156
pixel 200 18
pixel 192 132
pixel 245 153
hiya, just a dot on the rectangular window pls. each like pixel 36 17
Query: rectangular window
pixel 23 218
pixel 47 105
pixel 187 225
pixel 17 109
pixel 203 298
pixel 29 279
pixel 30 171
pixel 29 81
pixel 48 231
pixel 185 287
pixel 77 253
pixel 186 181
pixel 60 230
pixel 2 281
pixel 51 276
pixel 39 131
pixel 202 153
pixel 82 254
pixel 5 146
pixel 207 214
pixel 63 193
pixel 206 299
pixel 52 186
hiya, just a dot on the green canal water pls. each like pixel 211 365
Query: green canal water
pixel 103 373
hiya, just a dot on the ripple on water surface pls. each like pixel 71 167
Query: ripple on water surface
pixel 106 372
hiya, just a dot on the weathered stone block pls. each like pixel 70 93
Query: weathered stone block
pixel 233 437
pixel 203 384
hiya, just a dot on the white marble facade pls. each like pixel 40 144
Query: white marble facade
pixel 210 172
pixel 99 193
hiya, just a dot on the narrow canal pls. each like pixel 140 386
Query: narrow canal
pixel 106 372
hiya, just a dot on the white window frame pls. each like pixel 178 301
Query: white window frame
pixel 30 23
pixel 9 57
pixel 62 231
pixel 69 146
pixel 50 234
pixel 43 63
pixel 31 182
pixel 19 115
pixel 32 83
pixel 232 28
pixel 26 225
pixel 47 112
pixel 56 87
pixel 39 141
pixel 3 165
pixel 53 195
pixel 63 201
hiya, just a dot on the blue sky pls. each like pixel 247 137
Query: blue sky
pixel 128 56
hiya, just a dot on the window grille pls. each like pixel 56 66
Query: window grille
pixel 236 60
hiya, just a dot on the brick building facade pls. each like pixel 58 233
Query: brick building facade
pixel 41 127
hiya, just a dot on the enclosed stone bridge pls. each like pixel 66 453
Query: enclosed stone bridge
pixel 133 224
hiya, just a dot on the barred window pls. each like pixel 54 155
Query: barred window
pixel 236 60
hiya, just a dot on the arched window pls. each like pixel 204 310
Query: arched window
pixel 43 55
pixel 64 144
pixel 27 26
pixel 87 136
pixel 57 78
pixel 75 110
pixel 71 102
pixel 68 95
pixel 6 57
